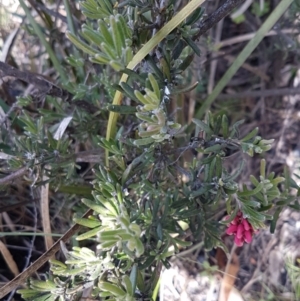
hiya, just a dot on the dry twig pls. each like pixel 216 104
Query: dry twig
pixel 217 15
pixel 44 85
pixel 260 93
pixel 20 279
pixel 16 174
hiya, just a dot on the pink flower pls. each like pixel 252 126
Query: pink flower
pixel 231 229
pixel 238 241
pixel 241 229
pixel 246 224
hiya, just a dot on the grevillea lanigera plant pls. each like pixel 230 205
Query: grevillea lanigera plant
pixel 161 179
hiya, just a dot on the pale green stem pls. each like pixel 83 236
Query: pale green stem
pixel 141 54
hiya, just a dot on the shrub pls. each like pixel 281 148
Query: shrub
pixel 144 198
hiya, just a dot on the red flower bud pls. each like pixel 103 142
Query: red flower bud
pixel 246 225
pixel 241 229
pixel 231 229
pixel 238 241
pixel 248 236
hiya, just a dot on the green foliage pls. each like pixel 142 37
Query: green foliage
pixel 136 212
pixel 141 199
pixel 260 10
pixel 240 19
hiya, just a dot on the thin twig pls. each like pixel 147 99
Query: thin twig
pixel 55 14
pixel 20 279
pixel 214 63
pixel 31 246
pixel 249 36
pixel 16 174
pixel 217 15
pixel 33 236
pixel 93 156
pixel 8 43
pixel 11 109
pixel 14 206
pixel 44 85
pixel 40 82
pixel 260 93
pixel 255 70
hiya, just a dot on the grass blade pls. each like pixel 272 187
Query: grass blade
pixel 56 63
pixel 241 58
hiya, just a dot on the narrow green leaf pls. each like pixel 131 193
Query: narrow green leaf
pixel 89 234
pixel 195 16
pixel 48 284
pixel 133 276
pixel 143 141
pixel 108 204
pixel 250 135
pixel 75 271
pixel 203 126
pixel 254 180
pixel 193 45
pixel 80 44
pixel 154 85
pixel 107 5
pixel 108 244
pixel 121 30
pixel 248 193
pixel 213 149
pixel 218 167
pixel 127 55
pixel 116 35
pixel 112 288
pixel 277 180
pixel 186 62
pixel 141 97
pixel 100 58
pixel 185 89
pixel 122 109
pixel 148 262
pixel 106 33
pixel 90 223
pixel 252 214
pixel 129 91
pixel 225 126
pixel 165 68
pixel 109 51
pixel 127 284
pixel 91 35
pixel 95 207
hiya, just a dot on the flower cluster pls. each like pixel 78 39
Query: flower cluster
pixel 241 229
